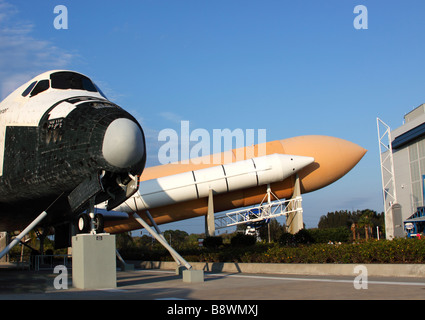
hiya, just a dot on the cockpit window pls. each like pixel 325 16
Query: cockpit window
pixel 100 91
pixel 71 80
pixel 63 80
pixel 41 86
pixel 28 90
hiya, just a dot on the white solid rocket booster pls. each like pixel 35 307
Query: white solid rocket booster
pixel 230 177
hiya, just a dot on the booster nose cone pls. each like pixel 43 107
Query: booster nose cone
pixel 123 143
pixel 300 162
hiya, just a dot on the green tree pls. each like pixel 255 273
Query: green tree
pixel 336 219
pixel 124 240
pixel 335 235
pixel 365 222
pixel 361 223
pixel 275 228
pixel 175 238
pixel 145 241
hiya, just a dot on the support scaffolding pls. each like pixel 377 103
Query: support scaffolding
pixel 266 210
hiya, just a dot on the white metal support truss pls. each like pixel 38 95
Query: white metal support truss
pixel 266 210
pixel 387 173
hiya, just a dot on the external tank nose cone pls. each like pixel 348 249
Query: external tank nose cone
pixel 334 158
pixel 123 143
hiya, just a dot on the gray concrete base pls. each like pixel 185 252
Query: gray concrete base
pixel 127 267
pixel 93 261
pixel 179 270
pixel 193 276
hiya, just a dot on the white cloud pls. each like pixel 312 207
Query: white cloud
pixel 5 10
pixel 21 55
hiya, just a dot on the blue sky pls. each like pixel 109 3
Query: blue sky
pixel 291 67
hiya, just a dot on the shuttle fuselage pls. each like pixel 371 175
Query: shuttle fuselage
pixel 61 138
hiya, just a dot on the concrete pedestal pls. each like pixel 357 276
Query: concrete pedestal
pixel 179 270
pixel 93 261
pixel 193 276
pixel 126 267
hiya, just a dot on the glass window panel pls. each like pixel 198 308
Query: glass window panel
pixel 41 86
pixel 69 80
pixel 28 90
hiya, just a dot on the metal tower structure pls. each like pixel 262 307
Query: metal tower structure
pixel 387 173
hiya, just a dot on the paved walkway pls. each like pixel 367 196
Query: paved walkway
pixel 165 285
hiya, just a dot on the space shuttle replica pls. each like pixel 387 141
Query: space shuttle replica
pixel 72 161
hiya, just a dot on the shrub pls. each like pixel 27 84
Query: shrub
pixel 243 240
pixel 244 249
pixel 341 234
pixel 286 239
pixel 213 242
pixel 303 237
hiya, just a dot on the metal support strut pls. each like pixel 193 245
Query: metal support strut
pixel 23 234
pixel 158 236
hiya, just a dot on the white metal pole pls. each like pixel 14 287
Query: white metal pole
pixel 148 214
pixel 162 241
pixel 119 257
pixel 23 234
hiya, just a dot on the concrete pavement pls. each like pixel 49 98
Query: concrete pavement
pixel 165 285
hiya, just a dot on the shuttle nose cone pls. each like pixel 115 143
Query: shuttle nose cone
pixel 123 143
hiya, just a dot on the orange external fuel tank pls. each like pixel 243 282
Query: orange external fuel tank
pixel 333 158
